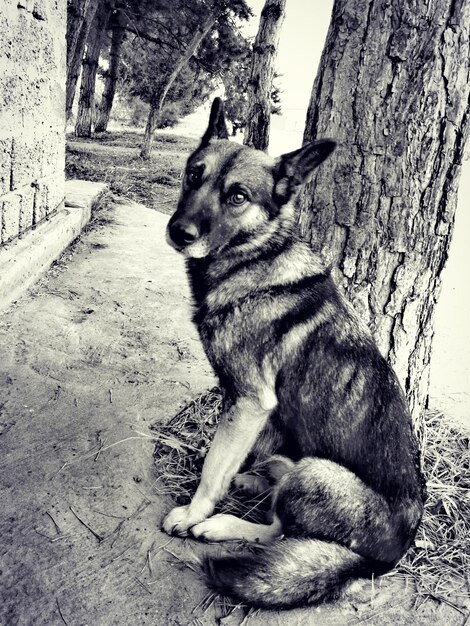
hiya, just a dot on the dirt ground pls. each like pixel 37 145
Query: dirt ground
pixel 101 348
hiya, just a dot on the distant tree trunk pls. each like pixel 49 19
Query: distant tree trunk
pixel 80 15
pixel 117 39
pixel 163 87
pixel 86 103
pixel 262 74
pixel 393 90
pixel 76 11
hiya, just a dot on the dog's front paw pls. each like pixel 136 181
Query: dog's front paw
pixel 225 527
pixel 177 521
pixel 180 519
pixel 215 528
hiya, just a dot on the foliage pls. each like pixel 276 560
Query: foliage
pixel 235 84
pixel 160 36
pixel 141 63
pixel 157 33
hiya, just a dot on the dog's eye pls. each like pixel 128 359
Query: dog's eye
pixel 238 198
pixel 193 178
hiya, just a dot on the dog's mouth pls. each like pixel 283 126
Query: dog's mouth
pixel 197 250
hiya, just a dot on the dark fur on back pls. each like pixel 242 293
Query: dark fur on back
pixel 276 329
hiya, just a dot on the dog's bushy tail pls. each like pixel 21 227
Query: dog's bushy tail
pixel 288 573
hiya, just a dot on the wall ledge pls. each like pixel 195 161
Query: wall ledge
pixel 24 260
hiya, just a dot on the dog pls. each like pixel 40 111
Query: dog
pixel 304 385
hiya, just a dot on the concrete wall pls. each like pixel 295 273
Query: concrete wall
pixel 32 102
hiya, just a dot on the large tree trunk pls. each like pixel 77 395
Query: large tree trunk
pixel 117 39
pixel 86 102
pixel 393 90
pixel 163 87
pixel 80 15
pixel 262 74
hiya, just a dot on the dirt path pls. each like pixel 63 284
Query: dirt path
pixel 100 349
pixel 91 358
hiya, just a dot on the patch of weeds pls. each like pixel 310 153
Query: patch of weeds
pixel 168 139
pixel 101 212
pixel 134 139
pixel 114 159
pixel 169 181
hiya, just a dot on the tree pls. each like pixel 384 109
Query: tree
pixel 167 36
pixel 262 73
pixel 142 61
pixel 80 15
pixel 393 90
pixel 235 81
pixel 164 83
pixel 76 10
pixel 148 57
pixel 96 38
pixel 189 25
pixel 138 52
pixel 111 75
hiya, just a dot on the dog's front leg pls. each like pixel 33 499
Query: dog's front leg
pixel 235 436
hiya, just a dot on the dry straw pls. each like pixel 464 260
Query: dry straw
pixel 439 561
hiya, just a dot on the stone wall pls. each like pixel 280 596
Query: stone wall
pixel 32 104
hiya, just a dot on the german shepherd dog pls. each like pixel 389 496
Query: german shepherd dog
pixel 302 381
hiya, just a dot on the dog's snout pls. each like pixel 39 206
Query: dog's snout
pixel 183 233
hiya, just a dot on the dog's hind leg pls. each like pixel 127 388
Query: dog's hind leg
pixel 250 484
pixel 336 528
pixel 263 475
pixel 223 527
pixel 324 500
pixel 277 466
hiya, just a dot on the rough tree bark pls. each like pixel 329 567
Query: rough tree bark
pixel 86 102
pixel 393 89
pixel 162 87
pixel 117 39
pixel 262 74
pixel 80 15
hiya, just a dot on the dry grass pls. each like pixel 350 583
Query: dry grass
pixel 439 561
pixel 114 158
pixel 438 564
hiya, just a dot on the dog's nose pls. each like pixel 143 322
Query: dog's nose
pixel 182 234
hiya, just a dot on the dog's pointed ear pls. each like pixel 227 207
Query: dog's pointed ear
pixel 292 169
pixel 217 128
